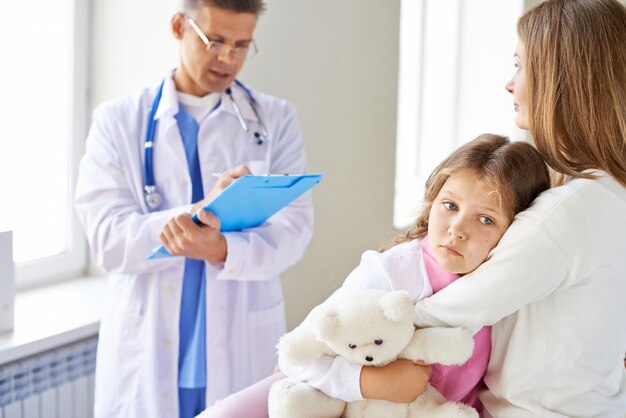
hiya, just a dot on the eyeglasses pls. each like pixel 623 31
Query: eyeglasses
pixel 217 47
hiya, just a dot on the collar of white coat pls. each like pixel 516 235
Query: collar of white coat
pixel 169 101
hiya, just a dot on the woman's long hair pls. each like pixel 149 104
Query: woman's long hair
pixel 576 84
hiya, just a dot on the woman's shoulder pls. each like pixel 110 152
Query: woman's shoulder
pixel 576 195
pixel 581 215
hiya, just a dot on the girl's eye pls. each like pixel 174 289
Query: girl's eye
pixel 486 220
pixel 378 341
pixel 450 206
pixel 352 346
pixel 515 65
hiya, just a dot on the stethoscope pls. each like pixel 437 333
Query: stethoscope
pixel 152 197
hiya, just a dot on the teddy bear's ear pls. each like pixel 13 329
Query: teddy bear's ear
pixel 325 324
pixel 397 306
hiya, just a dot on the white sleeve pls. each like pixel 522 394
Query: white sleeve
pixel 524 267
pixel 120 235
pixel 335 376
pixel 264 252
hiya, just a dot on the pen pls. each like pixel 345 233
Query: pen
pixel 217 175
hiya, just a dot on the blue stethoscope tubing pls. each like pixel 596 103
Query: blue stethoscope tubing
pixel 152 197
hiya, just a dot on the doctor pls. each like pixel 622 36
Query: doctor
pixel 179 333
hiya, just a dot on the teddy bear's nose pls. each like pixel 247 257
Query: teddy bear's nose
pixel 369 358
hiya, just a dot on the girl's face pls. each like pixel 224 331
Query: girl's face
pixel 466 222
pixel 517 87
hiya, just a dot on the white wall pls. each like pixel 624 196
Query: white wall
pixel 336 61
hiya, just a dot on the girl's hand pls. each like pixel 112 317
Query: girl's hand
pixel 400 381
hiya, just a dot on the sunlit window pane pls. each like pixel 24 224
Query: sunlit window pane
pixel 35 81
pixel 455 58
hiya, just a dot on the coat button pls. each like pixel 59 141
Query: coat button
pixel 184 181
pixel 167 343
pixel 170 290
pixel 167 396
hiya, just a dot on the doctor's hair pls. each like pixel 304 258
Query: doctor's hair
pixel 256 7
pixel 576 84
pixel 514 171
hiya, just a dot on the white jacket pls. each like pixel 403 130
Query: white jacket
pixel 137 363
pixel 555 288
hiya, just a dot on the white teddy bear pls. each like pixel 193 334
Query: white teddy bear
pixel 371 328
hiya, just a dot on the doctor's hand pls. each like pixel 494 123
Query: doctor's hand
pixel 182 236
pixel 400 381
pixel 223 181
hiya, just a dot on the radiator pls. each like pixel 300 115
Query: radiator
pixel 54 384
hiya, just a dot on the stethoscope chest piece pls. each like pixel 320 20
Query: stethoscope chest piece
pixel 153 199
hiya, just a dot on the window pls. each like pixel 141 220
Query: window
pixel 455 58
pixel 44 110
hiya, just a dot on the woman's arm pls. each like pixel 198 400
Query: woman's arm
pixel 524 267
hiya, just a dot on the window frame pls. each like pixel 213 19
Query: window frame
pixel 73 262
pixel 438 59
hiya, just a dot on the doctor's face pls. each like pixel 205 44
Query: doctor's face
pixel 201 71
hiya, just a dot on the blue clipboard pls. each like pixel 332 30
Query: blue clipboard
pixel 251 200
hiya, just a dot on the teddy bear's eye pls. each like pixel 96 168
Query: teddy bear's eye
pixel 352 346
pixel 378 341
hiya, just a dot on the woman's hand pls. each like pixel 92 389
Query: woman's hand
pixel 400 381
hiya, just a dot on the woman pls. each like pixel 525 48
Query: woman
pixel 555 286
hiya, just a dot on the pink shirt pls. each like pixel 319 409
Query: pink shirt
pixel 457 383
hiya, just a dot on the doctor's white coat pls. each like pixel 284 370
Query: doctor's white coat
pixel 137 363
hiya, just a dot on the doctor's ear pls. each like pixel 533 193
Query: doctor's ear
pixel 178 25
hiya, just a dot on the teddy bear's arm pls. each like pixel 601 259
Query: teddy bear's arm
pixel 447 346
pixel 300 346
